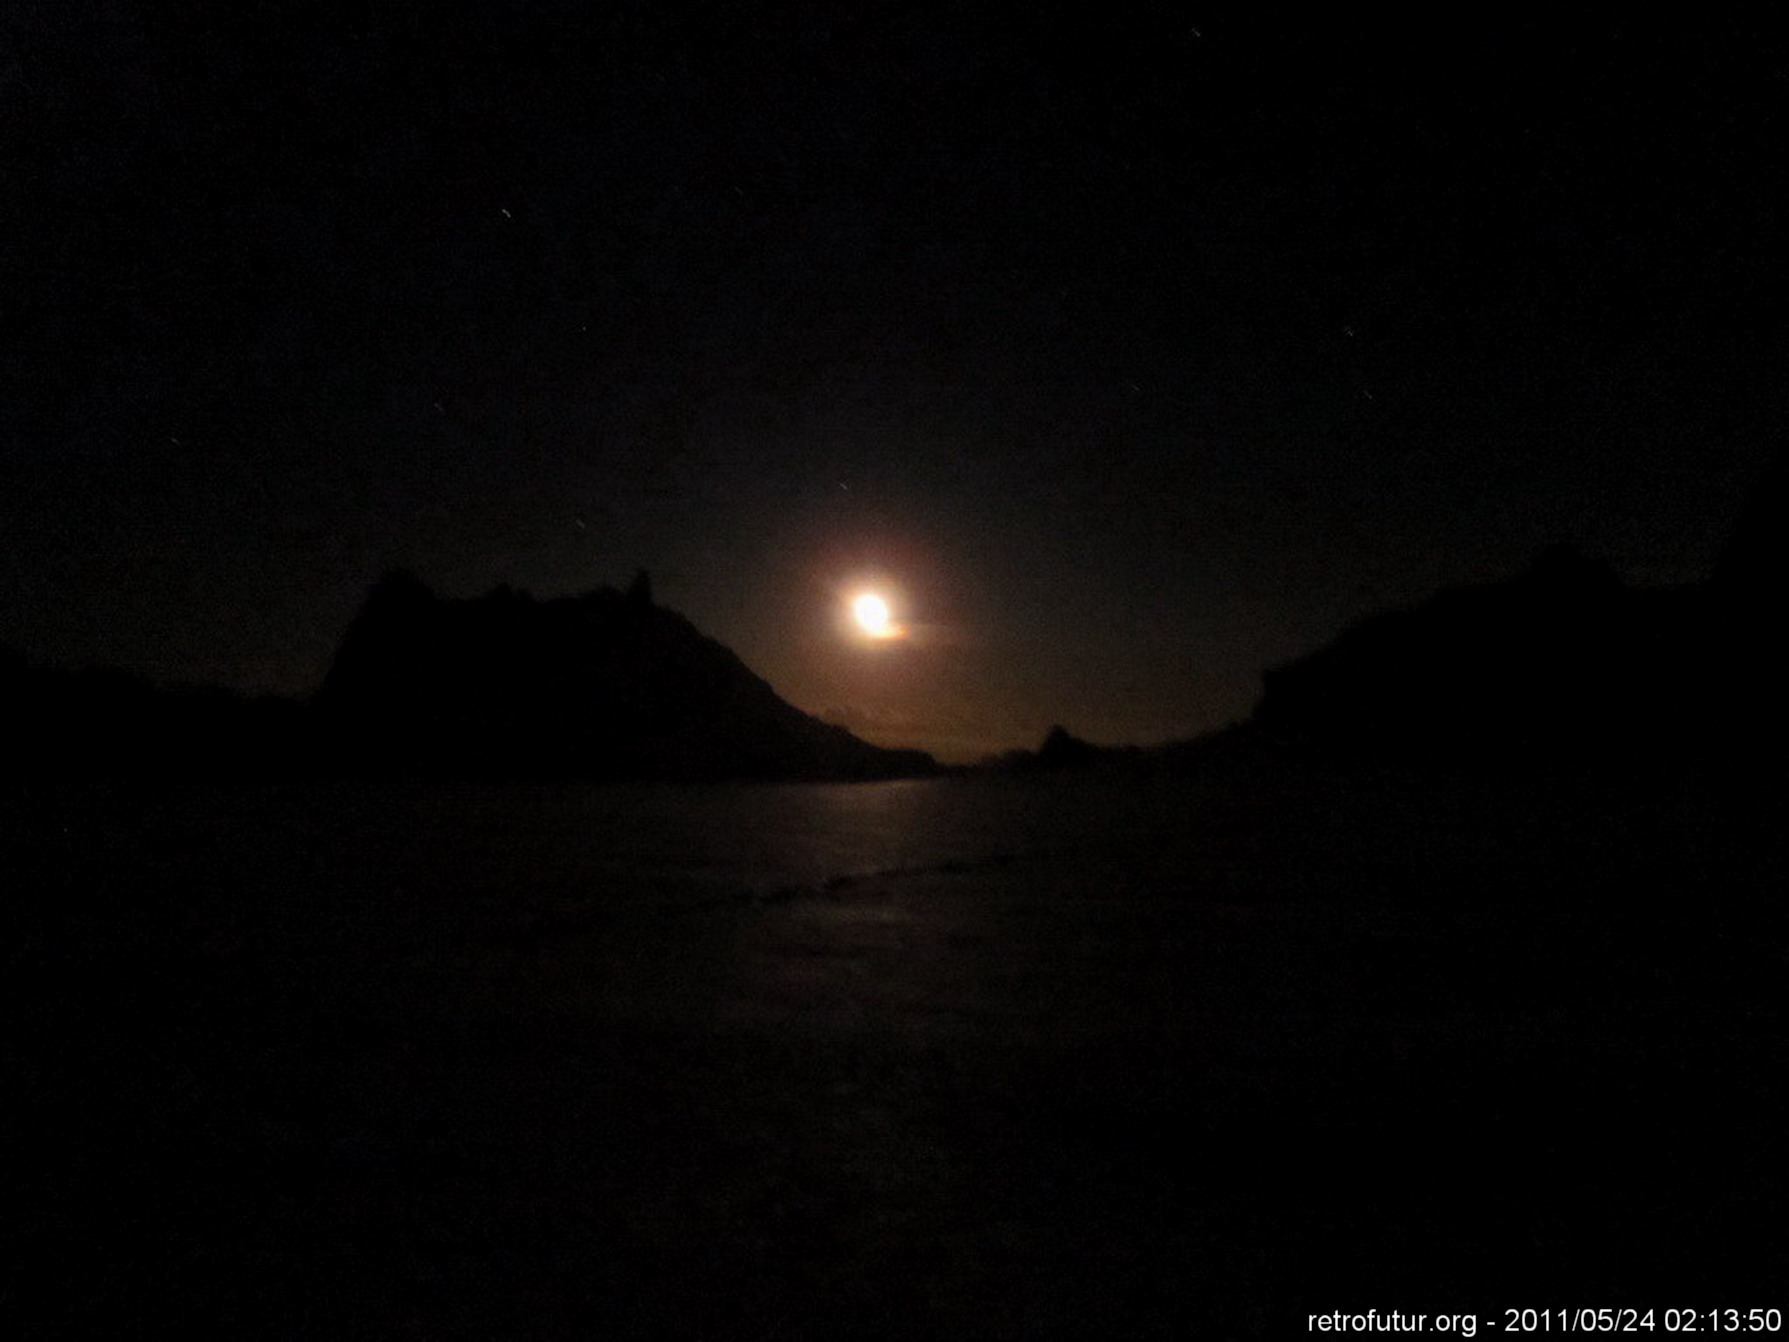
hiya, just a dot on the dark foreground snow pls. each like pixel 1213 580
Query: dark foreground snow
pixel 991 1058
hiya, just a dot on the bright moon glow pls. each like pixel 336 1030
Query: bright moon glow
pixel 871 613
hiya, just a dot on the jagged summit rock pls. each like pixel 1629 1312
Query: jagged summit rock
pixel 603 685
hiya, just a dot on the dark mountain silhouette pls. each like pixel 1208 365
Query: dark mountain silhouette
pixel 1561 664
pixel 107 721
pixel 1061 749
pixel 608 685
pixel 603 685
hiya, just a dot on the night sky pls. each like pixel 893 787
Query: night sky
pixel 1129 353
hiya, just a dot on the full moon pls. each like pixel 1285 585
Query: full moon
pixel 871 613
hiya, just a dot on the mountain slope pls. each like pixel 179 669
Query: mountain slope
pixel 605 685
